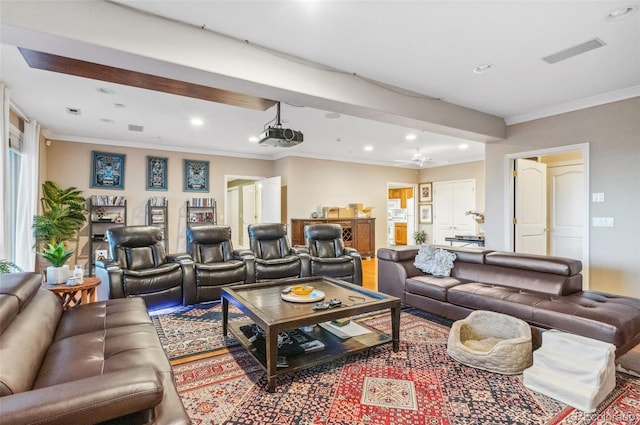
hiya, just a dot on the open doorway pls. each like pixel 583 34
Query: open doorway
pixel 248 200
pixel 550 203
pixel 401 213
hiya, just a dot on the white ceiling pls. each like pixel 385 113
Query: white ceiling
pixel 429 48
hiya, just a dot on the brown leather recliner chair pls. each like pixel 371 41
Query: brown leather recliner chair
pixel 139 266
pixel 274 258
pixel 217 264
pixel 328 256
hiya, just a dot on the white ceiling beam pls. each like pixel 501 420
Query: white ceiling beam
pixel 114 35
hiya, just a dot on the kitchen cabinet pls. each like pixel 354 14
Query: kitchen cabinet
pixel 401 233
pixel 403 194
pixel 358 233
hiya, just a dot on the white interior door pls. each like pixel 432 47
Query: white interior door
pixel 248 211
pixel 451 201
pixel 566 212
pixel 269 192
pixel 531 207
pixel 232 213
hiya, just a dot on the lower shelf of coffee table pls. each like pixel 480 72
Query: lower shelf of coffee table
pixel 334 347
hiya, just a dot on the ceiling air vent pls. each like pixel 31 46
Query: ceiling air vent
pixel 133 127
pixel 574 51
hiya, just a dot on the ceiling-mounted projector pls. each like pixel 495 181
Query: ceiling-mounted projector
pixel 280 137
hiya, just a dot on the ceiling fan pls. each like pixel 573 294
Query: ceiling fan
pixel 419 161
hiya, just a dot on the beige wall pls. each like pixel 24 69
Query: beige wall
pixel 69 164
pixel 470 170
pixel 612 132
pixel 312 183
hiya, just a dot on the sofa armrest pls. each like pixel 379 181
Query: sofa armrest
pixel 305 261
pixel 189 293
pixel 249 261
pixel 357 265
pixel 90 400
pixel 394 267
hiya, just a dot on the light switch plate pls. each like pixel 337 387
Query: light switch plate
pixel 603 222
pixel 597 197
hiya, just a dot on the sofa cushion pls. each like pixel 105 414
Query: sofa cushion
pixel 24 344
pixel 23 286
pixel 538 263
pixel 431 286
pixel 91 317
pixel 528 280
pixel 480 296
pixel 101 351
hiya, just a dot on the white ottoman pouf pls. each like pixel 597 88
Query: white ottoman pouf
pixel 491 341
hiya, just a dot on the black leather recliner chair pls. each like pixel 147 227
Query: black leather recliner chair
pixel 217 264
pixel 139 266
pixel 274 258
pixel 328 256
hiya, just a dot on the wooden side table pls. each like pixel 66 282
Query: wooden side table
pixel 75 295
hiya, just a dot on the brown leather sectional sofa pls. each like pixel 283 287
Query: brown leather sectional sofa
pixel 94 363
pixel 544 291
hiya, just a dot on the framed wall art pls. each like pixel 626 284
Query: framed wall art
pixel 107 170
pixel 426 192
pixel 157 173
pixel 426 213
pixel 196 176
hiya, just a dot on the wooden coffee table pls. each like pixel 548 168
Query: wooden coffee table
pixel 263 305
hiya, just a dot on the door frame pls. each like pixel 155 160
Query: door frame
pixel 510 191
pixel 416 225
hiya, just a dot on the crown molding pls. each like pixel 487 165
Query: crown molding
pixel 588 102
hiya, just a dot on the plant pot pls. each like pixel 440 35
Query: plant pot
pixel 57 275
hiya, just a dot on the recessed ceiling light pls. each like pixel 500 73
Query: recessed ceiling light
pixel 333 115
pixel 107 120
pixel 411 136
pixel 621 13
pixel 105 90
pixel 197 122
pixel 253 139
pixel 463 146
pixel 368 148
pixel 482 68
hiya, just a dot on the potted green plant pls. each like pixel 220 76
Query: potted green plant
pixel 57 255
pixel 420 236
pixel 64 213
pixel 7 266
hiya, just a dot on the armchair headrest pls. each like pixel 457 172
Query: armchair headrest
pixel 267 230
pixel 134 236
pixel 323 232
pixel 208 234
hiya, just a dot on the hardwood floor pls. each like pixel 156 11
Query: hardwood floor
pixel 370 273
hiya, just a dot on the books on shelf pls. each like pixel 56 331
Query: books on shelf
pixel 106 200
pixel 202 202
pixel 157 201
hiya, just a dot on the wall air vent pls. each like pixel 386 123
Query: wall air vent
pixel 574 51
pixel 133 127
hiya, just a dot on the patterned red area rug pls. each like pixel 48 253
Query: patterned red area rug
pixel 420 384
